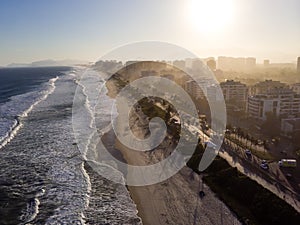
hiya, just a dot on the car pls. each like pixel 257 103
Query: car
pixel 289 176
pixel 248 152
pixel 264 166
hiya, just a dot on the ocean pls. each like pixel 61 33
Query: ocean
pixel 43 176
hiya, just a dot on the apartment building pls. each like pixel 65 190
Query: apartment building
pixel 235 92
pixel 282 104
pixel 295 88
pixel 266 87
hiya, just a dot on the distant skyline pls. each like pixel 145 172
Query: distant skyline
pixel 35 30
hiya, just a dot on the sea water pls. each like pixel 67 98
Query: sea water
pixel 43 176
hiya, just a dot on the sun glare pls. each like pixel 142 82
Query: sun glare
pixel 210 15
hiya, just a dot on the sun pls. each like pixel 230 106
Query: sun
pixel 210 15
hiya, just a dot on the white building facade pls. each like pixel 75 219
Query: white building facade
pixel 284 105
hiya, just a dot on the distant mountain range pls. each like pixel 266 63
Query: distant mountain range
pixel 48 63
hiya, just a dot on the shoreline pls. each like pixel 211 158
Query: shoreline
pixel 175 200
pixel 103 194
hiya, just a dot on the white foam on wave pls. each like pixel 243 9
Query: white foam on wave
pixel 43 97
pixel 83 117
pixel 73 183
pixel 92 105
pixel 56 152
pixel 32 208
pixel 19 106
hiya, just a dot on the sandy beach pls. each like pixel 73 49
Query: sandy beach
pixel 175 200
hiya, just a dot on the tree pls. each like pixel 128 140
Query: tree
pixel 194 161
pixel 247 136
pixel 295 138
pixel 265 144
pixel 239 132
pixel 229 127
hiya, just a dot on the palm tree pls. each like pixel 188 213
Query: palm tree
pixel 229 127
pixel 239 132
pixel 265 144
pixel 247 136
pixel 234 131
pixel 252 140
pixel 243 135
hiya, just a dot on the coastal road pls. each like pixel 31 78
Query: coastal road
pixel 273 179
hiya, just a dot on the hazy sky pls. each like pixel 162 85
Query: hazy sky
pixel 77 29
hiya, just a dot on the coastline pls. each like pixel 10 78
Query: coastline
pixel 103 207
pixel 175 200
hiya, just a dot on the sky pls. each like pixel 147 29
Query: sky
pixel 34 30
